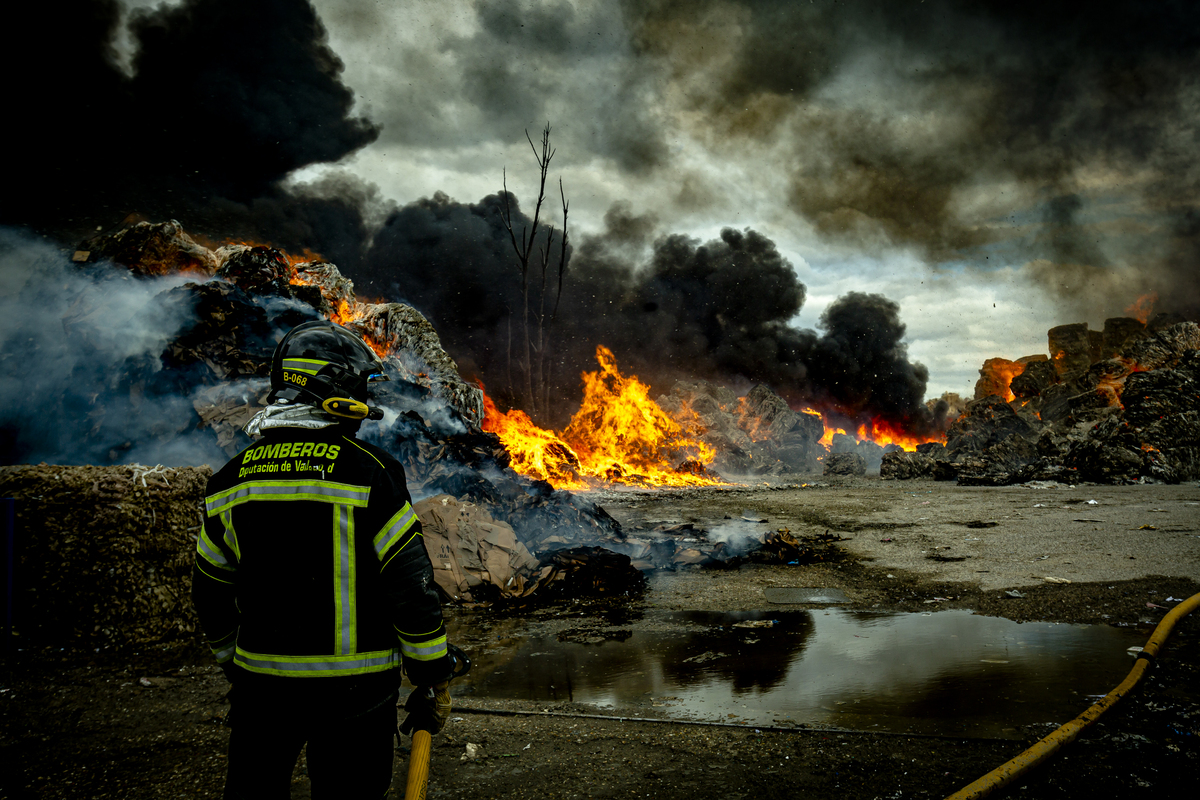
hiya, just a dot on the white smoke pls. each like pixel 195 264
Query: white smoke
pixel 80 351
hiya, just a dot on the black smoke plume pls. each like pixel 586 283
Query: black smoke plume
pixel 226 99
pixel 718 310
pixel 1036 99
pixel 223 100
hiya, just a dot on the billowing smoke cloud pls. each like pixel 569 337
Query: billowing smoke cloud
pixel 670 308
pixel 226 99
pixel 954 126
pixel 83 379
pixel 1049 107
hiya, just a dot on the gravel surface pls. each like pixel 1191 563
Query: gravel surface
pixel 148 724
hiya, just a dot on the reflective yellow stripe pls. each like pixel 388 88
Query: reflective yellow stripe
pixel 318 666
pixel 393 529
pixel 224 647
pixel 211 553
pixel 345 605
pixel 318 491
pixel 310 366
pixel 425 651
pixel 231 535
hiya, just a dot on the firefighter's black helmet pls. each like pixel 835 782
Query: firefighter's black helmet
pixel 324 365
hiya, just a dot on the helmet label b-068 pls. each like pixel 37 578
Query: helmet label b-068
pixel 295 377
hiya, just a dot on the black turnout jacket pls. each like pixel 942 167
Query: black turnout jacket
pixel 310 564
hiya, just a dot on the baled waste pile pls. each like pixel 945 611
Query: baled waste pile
pixel 219 355
pixel 208 337
pixel 758 434
pixel 103 555
pixel 1116 406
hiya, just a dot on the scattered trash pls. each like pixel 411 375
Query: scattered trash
pixel 750 516
pixel 145 682
pixel 1092 502
pixel 1173 600
pixel 981 524
pixel 1050 579
pixel 1147 528
pixel 1148 605
pixel 473 752
pixel 1014 593
pixel 756 623
pixel 1134 651
pixel 526 747
pixel 1039 505
pixel 888 539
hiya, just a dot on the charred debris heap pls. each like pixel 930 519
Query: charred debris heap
pixel 432 416
pixel 508 536
pixel 1121 405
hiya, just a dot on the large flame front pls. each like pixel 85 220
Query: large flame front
pixel 618 435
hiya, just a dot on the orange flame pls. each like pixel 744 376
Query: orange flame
pixel 618 435
pixel 883 434
pixel 1143 307
pixel 535 452
pixel 878 431
pixel 1004 375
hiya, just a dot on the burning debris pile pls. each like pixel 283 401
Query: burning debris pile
pixel 758 434
pixel 618 436
pixel 1112 406
pixel 206 323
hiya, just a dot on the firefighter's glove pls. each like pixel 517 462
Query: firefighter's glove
pixel 428 708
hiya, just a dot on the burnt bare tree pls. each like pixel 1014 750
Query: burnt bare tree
pixel 533 360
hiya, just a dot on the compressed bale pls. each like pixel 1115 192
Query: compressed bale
pixel 104 554
pixel 905 465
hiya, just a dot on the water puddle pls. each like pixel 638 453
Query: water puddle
pixel 948 672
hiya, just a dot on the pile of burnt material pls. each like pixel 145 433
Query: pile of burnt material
pixel 758 434
pixel 227 308
pixel 1115 406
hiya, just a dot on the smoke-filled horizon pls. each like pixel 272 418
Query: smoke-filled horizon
pixel 820 196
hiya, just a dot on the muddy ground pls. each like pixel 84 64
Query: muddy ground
pixel 149 724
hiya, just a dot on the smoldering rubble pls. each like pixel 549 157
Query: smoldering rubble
pixel 151 348
pixel 1118 405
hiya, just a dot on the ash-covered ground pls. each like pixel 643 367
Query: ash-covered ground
pixel 148 723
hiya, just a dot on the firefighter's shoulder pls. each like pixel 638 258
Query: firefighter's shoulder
pixel 372 454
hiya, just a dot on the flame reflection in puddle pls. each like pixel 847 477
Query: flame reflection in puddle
pixel 948 672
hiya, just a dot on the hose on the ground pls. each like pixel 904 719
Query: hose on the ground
pixel 795 729
pixel 1043 749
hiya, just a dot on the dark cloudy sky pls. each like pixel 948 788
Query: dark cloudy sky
pixel 994 168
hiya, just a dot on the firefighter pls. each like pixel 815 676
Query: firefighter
pixel 313 586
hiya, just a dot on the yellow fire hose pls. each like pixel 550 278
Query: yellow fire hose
pixel 1042 750
pixel 422 740
pixel 418 766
